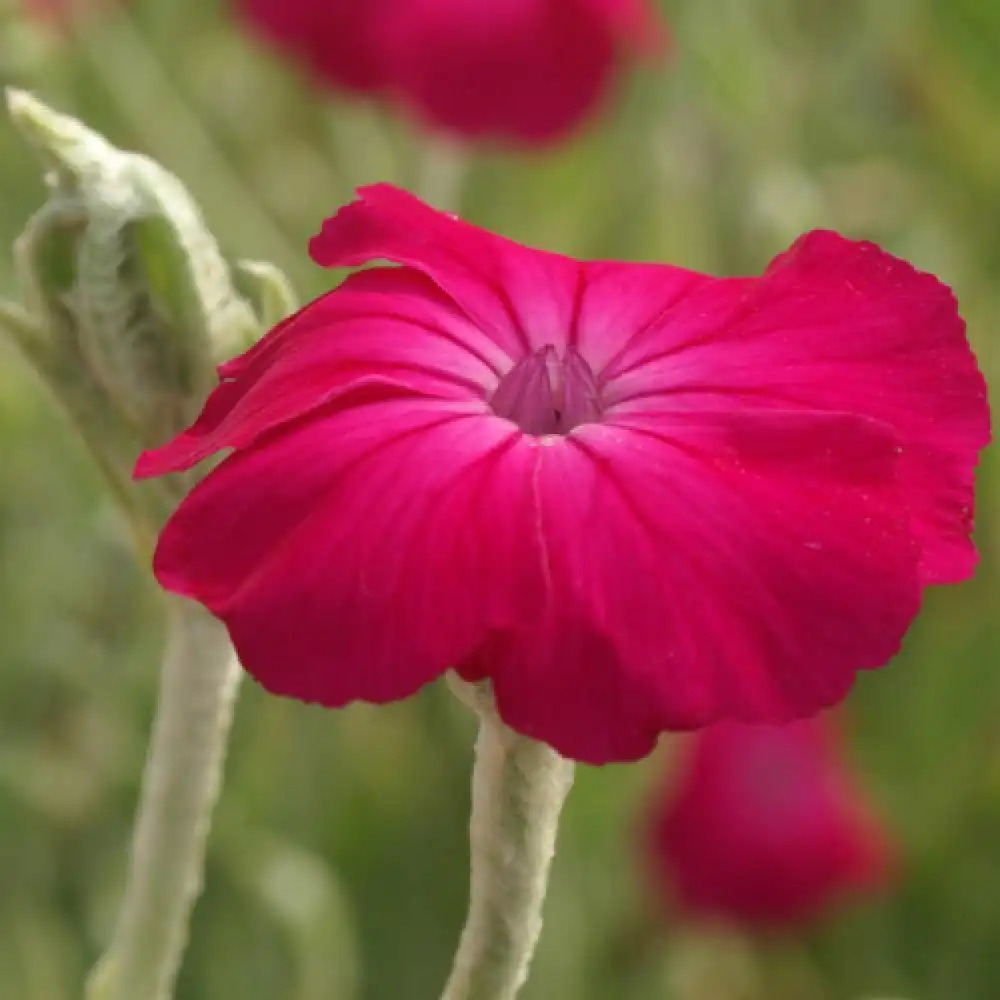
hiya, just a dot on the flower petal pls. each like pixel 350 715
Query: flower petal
pixel 325 612
pixel 766 825
pixel 636 23
pixel 734 566
pixel 338 41
pixel 833 326
pixel 231 522
pixel 528 71
pixel 524 299
pixel 387 330
pixel 622 302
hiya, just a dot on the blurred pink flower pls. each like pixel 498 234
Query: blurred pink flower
pixel 635 497
pixel 765 825
pixel 528 70
pixel 338 40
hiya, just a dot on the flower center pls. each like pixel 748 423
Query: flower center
pixel 546 394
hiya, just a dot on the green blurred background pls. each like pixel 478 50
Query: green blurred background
pixel 338 865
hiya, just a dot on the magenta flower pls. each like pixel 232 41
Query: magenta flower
pixel 634 497
pixel 765 825
pixel 527 70
pixel 338 41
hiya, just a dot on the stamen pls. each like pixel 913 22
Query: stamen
pixel 546 394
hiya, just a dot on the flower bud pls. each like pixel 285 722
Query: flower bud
pixel 129 301
pixel 270 291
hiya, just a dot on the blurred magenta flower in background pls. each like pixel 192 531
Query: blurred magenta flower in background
pixel 765 825
pixel 635 497
pixel 526 70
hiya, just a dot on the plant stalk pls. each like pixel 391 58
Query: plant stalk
pixel 518 790
pixel 180 786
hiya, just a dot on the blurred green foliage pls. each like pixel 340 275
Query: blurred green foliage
pixel 338 866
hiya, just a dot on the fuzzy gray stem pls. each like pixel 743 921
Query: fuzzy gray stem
pixel 518 790
pixel 179 790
